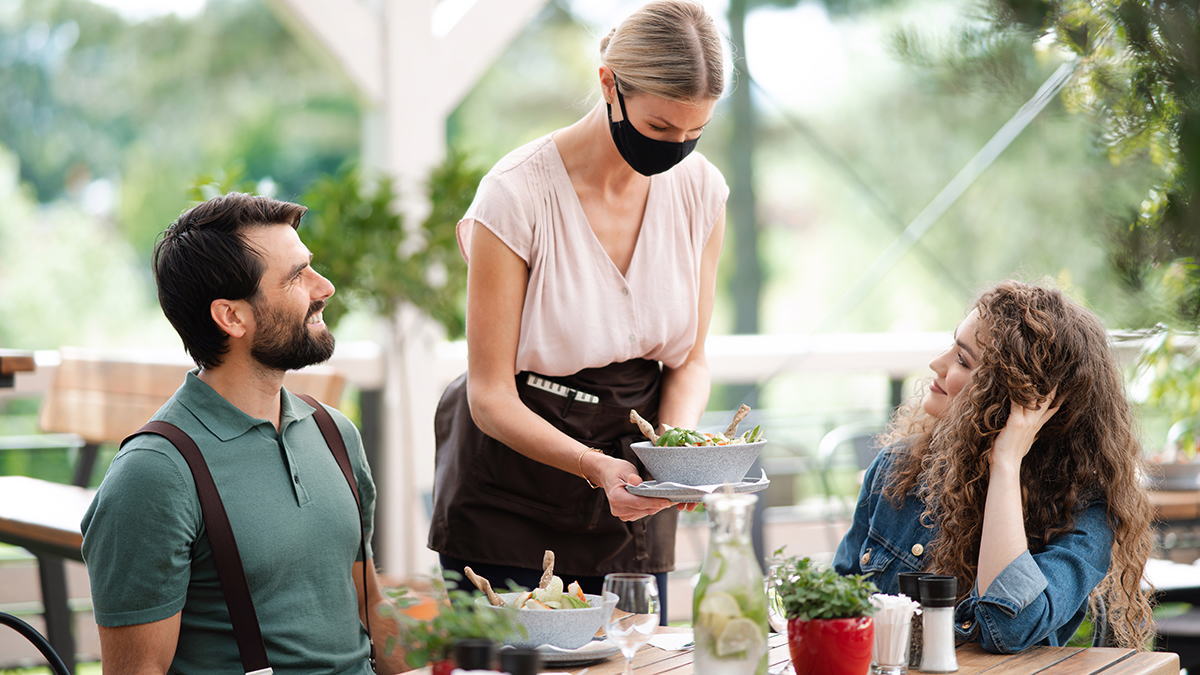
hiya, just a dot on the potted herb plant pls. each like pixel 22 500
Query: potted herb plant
pixel 430 641
pixel 829 626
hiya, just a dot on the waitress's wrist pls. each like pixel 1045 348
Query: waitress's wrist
pixel 591 467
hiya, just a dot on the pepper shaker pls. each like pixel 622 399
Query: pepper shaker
pixel 909 586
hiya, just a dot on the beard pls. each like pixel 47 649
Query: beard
pixel 282 343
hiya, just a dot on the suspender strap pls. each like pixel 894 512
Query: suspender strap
pixel 224 549
pixel 337 445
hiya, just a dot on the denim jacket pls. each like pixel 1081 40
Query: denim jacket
pixel 1039 598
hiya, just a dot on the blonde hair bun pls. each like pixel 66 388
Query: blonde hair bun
pixel 668 48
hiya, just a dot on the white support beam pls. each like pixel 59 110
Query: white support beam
pixel 350 33
pixel 478 39
pixel 412 78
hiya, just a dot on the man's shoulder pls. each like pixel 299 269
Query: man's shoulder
pixel 343 422
pixel 177 414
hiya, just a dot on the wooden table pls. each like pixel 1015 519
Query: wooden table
pixel 13 362
pixel 971 659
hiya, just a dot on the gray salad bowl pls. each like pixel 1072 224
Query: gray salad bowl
pixel 562 628
pixel 706 465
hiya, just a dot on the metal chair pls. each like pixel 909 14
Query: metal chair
pixel 861 441
pixel 31 634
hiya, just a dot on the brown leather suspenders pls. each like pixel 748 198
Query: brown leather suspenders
pixel 337 445
pixel 228 561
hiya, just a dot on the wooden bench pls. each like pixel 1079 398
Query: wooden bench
pixel 96 399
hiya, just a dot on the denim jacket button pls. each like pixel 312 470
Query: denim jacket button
pixel 866 557
pixel 966 625
pixel 918 549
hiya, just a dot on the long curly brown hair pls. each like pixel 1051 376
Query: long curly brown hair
pixel 1034 341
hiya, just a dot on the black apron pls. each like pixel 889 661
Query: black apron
pixel 493 505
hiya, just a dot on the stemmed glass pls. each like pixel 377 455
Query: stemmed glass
pixel 775 614
pixel 635 617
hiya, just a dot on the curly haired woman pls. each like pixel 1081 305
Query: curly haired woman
pixel 1016 472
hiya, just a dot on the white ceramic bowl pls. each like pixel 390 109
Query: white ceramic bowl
pixel 562 628
pixel 708 465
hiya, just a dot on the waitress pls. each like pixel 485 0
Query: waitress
pixel 592 256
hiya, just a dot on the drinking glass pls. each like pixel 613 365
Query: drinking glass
pixel 635 617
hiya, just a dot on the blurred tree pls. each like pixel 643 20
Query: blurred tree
pixel 147 104
pixel 65 279
pixel 361 243
pixel 1139 78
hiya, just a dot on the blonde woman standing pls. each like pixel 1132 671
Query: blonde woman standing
pixel 592 256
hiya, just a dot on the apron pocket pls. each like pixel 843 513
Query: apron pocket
pixel 521 485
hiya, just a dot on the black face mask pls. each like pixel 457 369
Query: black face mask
pixel 646 155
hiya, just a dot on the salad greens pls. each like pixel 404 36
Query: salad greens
pixel 678 437
pixel 553 597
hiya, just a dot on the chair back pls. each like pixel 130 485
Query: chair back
pixel 103 397
pixel 861 439
pixel 30 633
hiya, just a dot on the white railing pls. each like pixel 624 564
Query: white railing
pixel 732 358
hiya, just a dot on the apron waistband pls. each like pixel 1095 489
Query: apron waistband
pixel 560 389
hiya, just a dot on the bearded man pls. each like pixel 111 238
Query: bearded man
pixel 237 283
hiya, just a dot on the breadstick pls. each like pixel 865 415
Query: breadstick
pixel 738 416
pixel 644 426
pixel 547 569
pixel 485 586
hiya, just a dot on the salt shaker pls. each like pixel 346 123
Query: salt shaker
pixel 909 586
pixel 938 595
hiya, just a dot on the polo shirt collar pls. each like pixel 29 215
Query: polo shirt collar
pixel 225 420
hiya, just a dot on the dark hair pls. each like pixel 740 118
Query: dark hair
pixel 202 257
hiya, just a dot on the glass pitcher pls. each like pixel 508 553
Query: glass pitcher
pixel 729 610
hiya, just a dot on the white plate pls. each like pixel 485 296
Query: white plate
pixel 595 651
pixel 683 493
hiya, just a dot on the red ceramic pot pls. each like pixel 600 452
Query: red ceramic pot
pixel 831 646
pixel 444 667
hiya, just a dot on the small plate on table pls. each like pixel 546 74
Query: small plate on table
pixel 599 649
pixel 677 492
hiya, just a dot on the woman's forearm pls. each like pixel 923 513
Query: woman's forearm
pixel 685 393
pixel 1003 537
pixel 503 416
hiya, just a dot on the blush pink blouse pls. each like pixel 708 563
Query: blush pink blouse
pixel 580 311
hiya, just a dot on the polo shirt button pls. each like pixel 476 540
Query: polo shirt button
pixel 632 337
pixel 624 291
pixel 296 478
pixel 866 558
pixel 918 549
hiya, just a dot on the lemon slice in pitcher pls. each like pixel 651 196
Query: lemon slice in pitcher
pixel 740 635
pixel 717 609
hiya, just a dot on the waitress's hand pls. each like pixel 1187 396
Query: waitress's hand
pixel 1016 438
pixel 614 475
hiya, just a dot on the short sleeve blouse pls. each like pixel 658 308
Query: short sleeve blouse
pixel 580 311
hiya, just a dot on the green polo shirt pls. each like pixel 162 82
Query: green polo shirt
pixel 292 513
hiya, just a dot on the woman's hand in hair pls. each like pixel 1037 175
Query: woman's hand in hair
pixel 1019 433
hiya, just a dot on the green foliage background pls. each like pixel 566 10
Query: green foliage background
pixel 97 103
